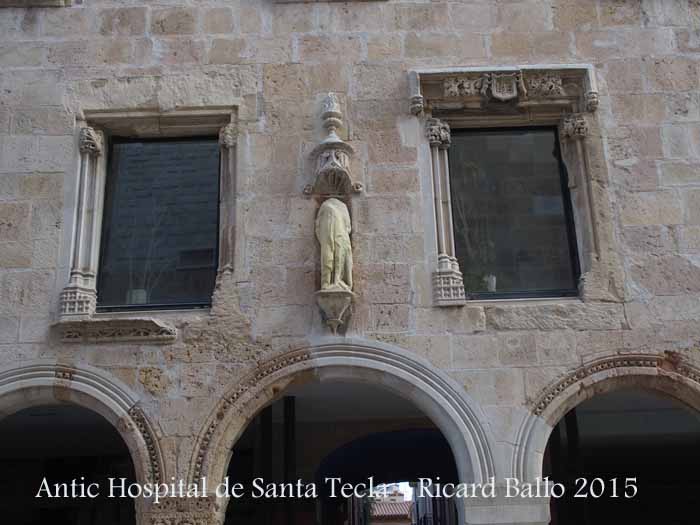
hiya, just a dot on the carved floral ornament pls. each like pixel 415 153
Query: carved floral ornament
pixel 572 86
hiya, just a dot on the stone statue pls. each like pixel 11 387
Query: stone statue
pixel 333 229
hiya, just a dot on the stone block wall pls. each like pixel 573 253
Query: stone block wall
pixel 273 61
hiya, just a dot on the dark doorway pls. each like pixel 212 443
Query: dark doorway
pixel 626 439
pixel 339 430
pixel 62 443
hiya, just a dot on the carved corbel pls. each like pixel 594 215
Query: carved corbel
pixel 228 136
pixel 591 102
pixel 448 284
pixel 573 127
pixel 416 106
pixel 78 299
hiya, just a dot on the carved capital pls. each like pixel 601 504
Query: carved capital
pixel 90 141
pixel 438 133
pixel 228 135
pixel 573 127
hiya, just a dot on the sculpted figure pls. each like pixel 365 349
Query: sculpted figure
pixel 333 233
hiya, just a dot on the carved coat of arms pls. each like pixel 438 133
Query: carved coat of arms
pixel 506 86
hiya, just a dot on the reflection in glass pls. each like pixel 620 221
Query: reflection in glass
pixel 160 231
pixel 512 221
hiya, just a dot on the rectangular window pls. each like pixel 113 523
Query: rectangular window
pixel 159 245
pixel 513 225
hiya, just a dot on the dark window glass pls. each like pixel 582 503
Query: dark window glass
pixel 160 229
pixel 513 226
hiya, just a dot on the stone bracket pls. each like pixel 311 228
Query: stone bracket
pixel 116 331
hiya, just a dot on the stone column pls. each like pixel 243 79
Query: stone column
pixel 79 297
pixel 448 285
pixel 227 198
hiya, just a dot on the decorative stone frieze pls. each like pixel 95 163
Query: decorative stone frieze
pixel 78 299
pixel 534 89
pixel 448 284
pixel 332 187
pixel 116 330
pixel 149 438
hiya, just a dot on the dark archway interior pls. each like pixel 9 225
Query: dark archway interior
pixel 629 433
pixel 62 443
pixel 338 430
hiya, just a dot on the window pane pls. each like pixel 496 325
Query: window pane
pixel 510 213
pixel 160 231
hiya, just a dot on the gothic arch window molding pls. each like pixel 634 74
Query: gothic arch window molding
pixel 78 319
pixel 565 96
pixel 667 373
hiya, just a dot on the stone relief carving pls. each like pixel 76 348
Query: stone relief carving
pixel 333 186
pixel 115 331
pixel 149 438
pixel 227 135
pixel 570 86
pixel 649 361
pixel 591 101
pixel 573 127
pixel 545 85
pixel 90 141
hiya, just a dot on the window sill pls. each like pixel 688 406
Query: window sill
pixel 116 329
pixel 523 300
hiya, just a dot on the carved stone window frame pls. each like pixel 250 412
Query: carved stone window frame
pixel 565 96
pixel 78 319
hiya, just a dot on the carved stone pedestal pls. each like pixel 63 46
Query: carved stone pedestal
pixel 335 304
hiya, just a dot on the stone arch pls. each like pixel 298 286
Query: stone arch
pixel 666 373
pixel 436 394
pixel 46 383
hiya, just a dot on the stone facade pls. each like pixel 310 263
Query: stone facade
pixel 497 375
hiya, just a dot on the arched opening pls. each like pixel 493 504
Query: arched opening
pixel 635 448
pixel 70 447
pixel 328 434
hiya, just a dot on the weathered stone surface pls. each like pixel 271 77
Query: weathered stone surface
pixel 176 20
pixel 555 316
